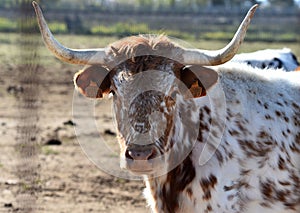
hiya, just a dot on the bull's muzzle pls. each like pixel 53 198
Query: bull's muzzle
pixel 141 159
pixel 138 152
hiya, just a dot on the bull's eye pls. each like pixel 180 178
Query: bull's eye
pixel 173 95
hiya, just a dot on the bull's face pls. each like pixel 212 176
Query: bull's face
pixel 144 134
pixel 147 91
pixel 144 104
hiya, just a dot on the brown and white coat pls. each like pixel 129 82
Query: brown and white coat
pixel 257 164
pixel 226 138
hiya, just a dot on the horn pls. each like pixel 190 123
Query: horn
pixel 217 57
pixel 73 56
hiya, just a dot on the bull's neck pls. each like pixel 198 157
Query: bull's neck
pixel 190 118
pixel 163 192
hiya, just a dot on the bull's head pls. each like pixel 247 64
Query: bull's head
pixel 152 79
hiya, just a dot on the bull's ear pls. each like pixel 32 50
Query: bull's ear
pixel 93 81
pixel 198 79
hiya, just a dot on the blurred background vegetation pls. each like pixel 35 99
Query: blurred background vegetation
pixel 205 24
pixel 276 20
pixel 153 5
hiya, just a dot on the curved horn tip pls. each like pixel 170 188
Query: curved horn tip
pixel 253 9
pixel 35 4
pixel 37 8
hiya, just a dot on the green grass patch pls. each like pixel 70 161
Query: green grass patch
pixel 253 36
pixel 58 27
pixel 120 29
pixel 6 25
pixel 127 29
pixel 222 36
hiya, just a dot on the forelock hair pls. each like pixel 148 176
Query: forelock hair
pixel 134 46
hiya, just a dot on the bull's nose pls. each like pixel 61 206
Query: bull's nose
pixel 140 153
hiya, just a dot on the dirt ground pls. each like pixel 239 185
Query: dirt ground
pixel 51 173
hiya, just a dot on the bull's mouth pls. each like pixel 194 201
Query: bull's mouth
pixel 143 167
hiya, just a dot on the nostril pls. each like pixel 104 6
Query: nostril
pixel 152 155
pixel 128 154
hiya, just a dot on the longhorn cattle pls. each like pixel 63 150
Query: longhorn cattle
pixel 206 136
pixel 283 59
